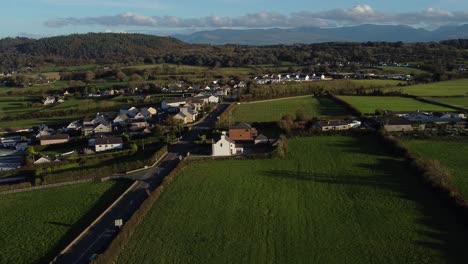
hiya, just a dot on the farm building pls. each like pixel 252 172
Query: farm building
pixel 108 143
pixel 54 139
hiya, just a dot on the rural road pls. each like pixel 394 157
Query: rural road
pixel 101 234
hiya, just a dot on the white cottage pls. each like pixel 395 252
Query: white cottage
pixel 225 147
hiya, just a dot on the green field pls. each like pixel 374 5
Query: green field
pixel 36 225
pixel 267 111
pixel 332 200
pixel 402 70
pixel 454 101
pixel 451 153
pixel 377 83
pixel 368 104
pixel 448 88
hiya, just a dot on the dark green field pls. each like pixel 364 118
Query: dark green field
pixel 332 200
pixel 451 153
pixel 273 110
pixel 36 225
pixel 368 104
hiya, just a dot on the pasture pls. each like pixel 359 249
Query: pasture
pixel 273 110
pixel 369 84
pixel 454 101
pixel 333 199
pixel 402 70
pixel 368 104
pixel 447 88
pixel 36 225
pixel 450 153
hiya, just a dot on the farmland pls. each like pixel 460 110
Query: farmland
pixel 368 104
pixel 35 225
pixel 273 110
pixel 451 153
pixel 454 101
pixel 377 83
pixel 447 88
pixel 332 199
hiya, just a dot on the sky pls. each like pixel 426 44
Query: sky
pixel 40 18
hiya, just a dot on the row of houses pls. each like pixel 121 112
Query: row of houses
pixel 288 77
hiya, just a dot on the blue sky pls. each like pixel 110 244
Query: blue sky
pixel 56 17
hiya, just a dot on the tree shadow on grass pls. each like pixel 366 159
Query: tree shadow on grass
pixel 327 107
pixel 76 228
pixel 441 230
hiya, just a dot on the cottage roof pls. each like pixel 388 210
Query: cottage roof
pixel 55 137
pixel 241 125
pixel 396 122
pixel 176 100
pixel 108 140
pixel 261 137
pixel 338 122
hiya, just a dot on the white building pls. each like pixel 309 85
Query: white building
pixel 108 143
pixel 225 147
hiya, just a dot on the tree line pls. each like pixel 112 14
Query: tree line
pixel 110 48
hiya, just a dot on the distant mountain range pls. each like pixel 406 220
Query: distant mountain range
pixel 305 35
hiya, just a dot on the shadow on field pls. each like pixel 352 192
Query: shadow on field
pixel 327 107
pixel 76 228
pixel 59 224
pixel 437 225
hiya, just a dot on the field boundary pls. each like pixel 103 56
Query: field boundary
pixel 128 229
pixel 148 167
pixel 424 100
pixel 131 187
pixel 275 99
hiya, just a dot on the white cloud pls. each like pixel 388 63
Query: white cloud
pixel 359 14
pixel 110 3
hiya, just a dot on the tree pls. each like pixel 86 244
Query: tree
pixel 120 76
pixel 90 76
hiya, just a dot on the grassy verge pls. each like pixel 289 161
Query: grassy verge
pixel 37 225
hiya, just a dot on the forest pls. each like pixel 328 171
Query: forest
pixel 112 48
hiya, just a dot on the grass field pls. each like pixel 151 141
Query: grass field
pixel 377 83
pixel 454 101
pixel 36 225
pixel 267 111
pixel 333 200
pixel 402 70
pixel 451 153
pixel 448 88
pixel 368 104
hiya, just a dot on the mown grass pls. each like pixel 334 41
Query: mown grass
pixel 451 153
pixel 36 225
pixel 454 101
pixel 368 104
pixel 332 200
pixel 377 83
pixel 268 111
pixel 447 88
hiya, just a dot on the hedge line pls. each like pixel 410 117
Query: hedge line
pixel 432 174
pixel 223 121
pixel 351 108
pixel 121 240
pixel 102 171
